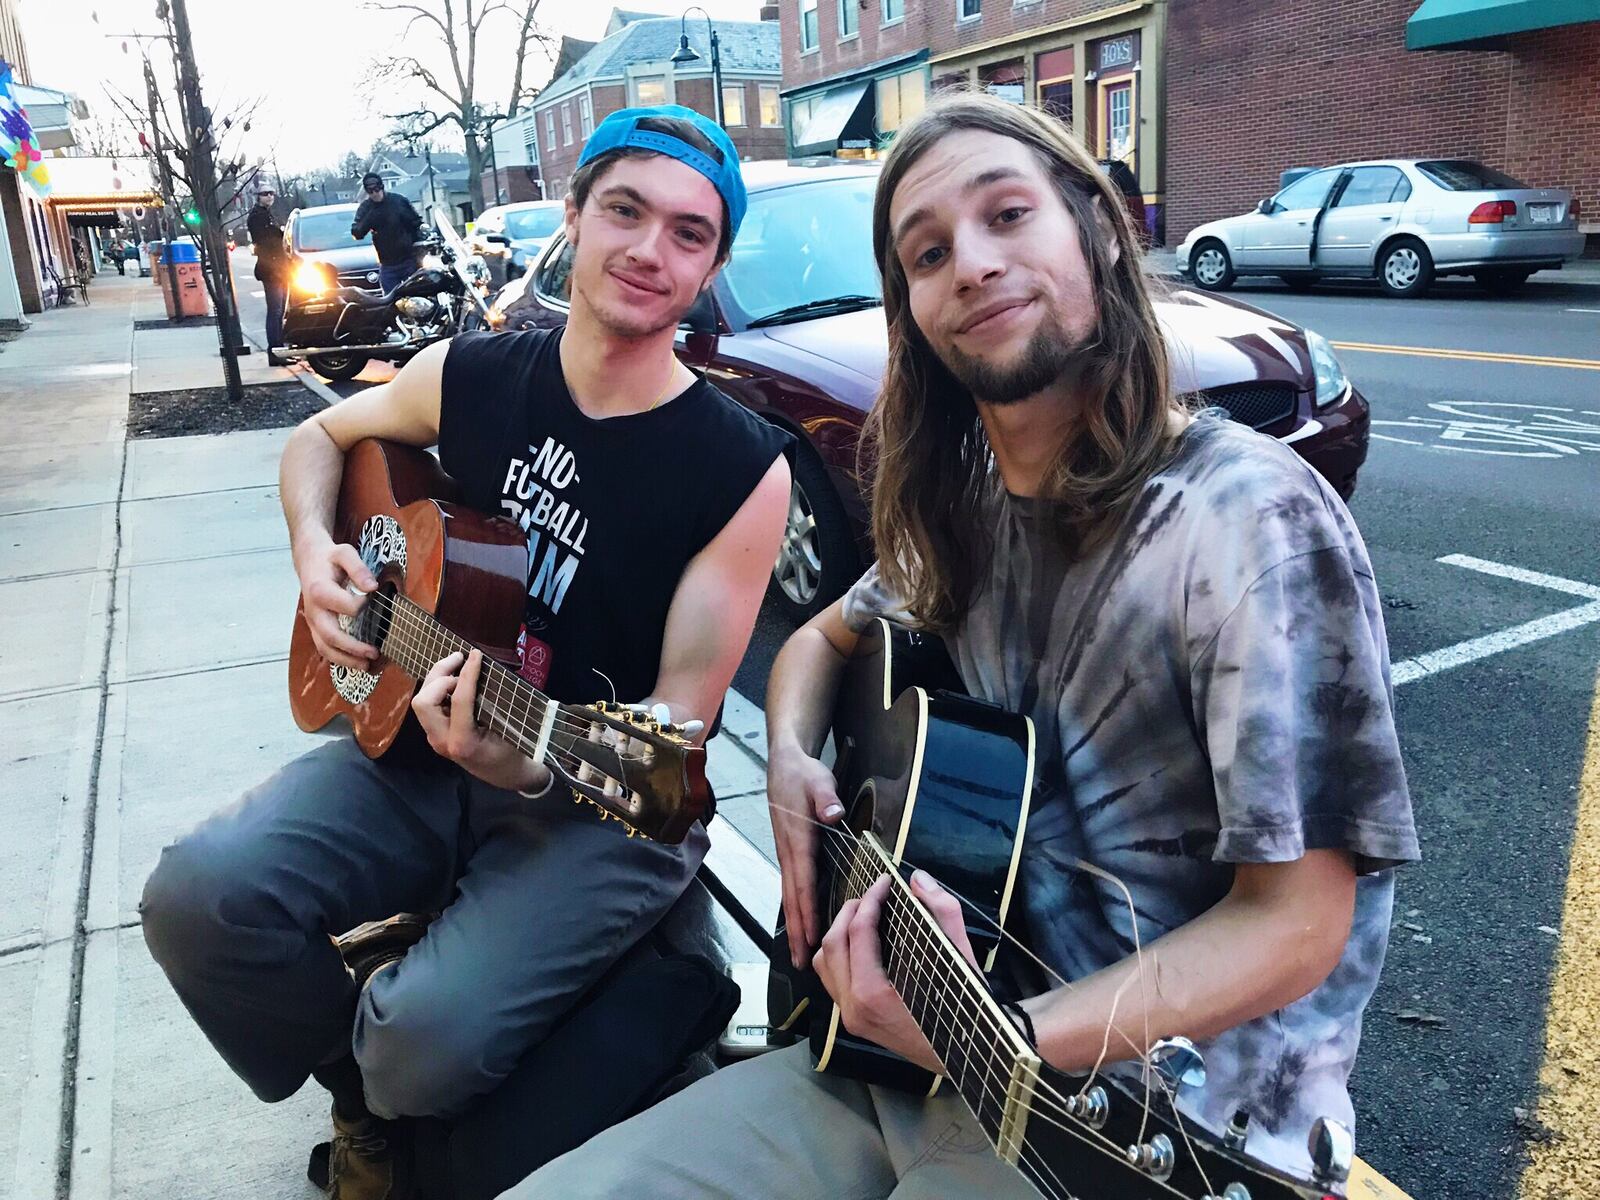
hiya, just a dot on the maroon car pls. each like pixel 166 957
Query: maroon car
pixel 793 328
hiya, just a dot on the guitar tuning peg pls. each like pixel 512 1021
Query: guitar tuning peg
pixel 1156 1158
pixel 1234 1191
pixel 1333 1150
pixel 1091 1107
pixel 1178 1062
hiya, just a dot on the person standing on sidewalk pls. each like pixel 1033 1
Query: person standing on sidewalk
pixel 272 265
pixel 394 226
pixel 601 423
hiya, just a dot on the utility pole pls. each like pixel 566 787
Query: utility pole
pixel 203 171
pixel 164 182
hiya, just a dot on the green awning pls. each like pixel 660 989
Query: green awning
pixel 1438 24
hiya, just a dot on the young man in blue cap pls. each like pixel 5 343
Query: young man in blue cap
pixel 654 506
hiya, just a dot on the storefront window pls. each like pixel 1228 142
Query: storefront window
pixel 1004 80
pixel 900 97
pixel 799 115
pixel 1119 120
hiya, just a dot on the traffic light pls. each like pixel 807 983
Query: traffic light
pixel 191 215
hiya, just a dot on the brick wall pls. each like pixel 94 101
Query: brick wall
pixel 752 141
pixel 1255 86
pixel 1000 19
pixel 873 42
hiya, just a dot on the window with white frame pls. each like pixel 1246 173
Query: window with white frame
pixel 893 10
pixel 550 128
pixel 733 104
pixel 530 139
pixel 968 10
pixel 771 110
pixel 566 124
pixel 649 89
pixel 587 114
pixel 849 19
pixel 809 38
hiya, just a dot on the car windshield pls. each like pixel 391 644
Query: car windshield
pixel 324 231
pixel 804 245
pixel 533 222
pixel 1464 175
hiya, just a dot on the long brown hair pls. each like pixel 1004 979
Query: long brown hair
pixel 933 463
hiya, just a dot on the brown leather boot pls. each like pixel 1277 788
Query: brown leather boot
pixel 370 1159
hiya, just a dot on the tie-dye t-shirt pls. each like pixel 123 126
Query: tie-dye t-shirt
pixel 1209 686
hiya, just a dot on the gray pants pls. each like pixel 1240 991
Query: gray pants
pixel 538 898
pixel 775 1129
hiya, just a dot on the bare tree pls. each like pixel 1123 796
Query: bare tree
pixel 449 94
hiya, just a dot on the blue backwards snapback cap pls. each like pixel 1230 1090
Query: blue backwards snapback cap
pixel 621 129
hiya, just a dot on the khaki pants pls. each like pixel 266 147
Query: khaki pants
pixel 774 1129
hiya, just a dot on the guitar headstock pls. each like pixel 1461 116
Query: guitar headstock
pixel 634 768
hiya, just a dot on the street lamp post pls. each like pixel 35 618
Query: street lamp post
pixel 686 54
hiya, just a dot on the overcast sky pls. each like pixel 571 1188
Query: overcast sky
pixel 305 72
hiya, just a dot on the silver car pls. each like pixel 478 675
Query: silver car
pixel 1401 221
pixel 511 236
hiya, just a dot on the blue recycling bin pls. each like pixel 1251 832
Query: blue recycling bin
pixel 182 252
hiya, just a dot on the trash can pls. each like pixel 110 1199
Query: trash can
pixel 151 264
pixel 184 260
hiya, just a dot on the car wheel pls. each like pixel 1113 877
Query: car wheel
pixel 817 558
pixel 1299 283
pixel 1211 267
pixel 1406 268
pixel 338 367
pixel 1502 282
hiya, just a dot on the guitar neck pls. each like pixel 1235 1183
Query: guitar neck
pixel 986 1058
pixel 506 705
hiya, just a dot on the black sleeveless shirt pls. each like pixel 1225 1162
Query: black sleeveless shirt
pixel 614 509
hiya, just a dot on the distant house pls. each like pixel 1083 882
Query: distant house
pixel 429 179
pixel 632 65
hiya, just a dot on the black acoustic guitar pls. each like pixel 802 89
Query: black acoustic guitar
pixel 932 778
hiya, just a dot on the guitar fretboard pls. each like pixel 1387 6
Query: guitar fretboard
pixel 984 1054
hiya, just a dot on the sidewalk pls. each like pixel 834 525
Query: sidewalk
pixel 145 599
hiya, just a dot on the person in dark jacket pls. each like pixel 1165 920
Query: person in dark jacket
pixel 394 226
pixel 272 265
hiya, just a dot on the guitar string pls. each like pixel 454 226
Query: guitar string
pixel 429 639
pixel 858 870
pixel 1049 1092
pixel 1051 1108
pixel 897 926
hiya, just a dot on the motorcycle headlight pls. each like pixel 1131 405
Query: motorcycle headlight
pixel 1332 383
pixel 311 278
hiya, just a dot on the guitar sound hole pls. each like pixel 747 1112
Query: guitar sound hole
pixel 371 624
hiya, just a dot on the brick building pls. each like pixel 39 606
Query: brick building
pixel 632 65
pixel 1258 86
pixel 855 70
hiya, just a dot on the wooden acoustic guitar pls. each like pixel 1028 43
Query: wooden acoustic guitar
pixel 450 579
pixel 934 779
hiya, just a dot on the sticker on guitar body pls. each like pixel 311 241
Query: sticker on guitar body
pixel 555 528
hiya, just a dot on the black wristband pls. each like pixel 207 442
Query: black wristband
pixel 1023 1020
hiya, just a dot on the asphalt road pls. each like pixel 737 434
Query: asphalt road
pixel 1490 456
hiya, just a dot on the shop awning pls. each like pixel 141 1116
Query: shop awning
pixel 1459 24
pixel 840 116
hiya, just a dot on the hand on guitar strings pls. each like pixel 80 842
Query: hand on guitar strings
pixel 333 583
pixel 801 793
pixel 850 965
pixel 444 705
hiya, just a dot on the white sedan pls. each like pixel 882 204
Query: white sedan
pixel 1403 222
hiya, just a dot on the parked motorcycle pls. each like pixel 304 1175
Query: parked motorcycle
pixel 337 330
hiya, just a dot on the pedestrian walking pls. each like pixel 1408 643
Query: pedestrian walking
pixel 394 225
pixel 272 266
pixel 119 255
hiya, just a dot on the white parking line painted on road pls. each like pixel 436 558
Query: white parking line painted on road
pixel 1584 310
pixel 1409 670
pixel 1537 578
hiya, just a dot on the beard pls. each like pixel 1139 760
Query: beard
pixel 1051 352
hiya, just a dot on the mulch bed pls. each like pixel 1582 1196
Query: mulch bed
pixel 163 323
pixel 208 410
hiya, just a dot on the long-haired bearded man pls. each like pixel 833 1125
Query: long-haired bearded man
pixel 1188 614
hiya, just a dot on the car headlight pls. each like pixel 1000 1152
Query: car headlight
pixel 311 278
pixel 1332 383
